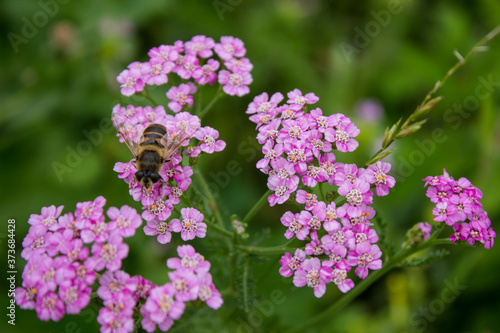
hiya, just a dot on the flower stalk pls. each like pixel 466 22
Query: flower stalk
pixel 212 204
pixel 258 205
pixel 208 107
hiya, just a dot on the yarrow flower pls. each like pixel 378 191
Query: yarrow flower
pixel 208 139
pixel 131 81
pixel 60 268
pixel 377 174
pixel 207 73
pixel 235 83
pixel 181 96
pixel 230 47
pixel 313 275
pixel 160 228
pixel 201 46
pixel 191 225
pixel 299 148
pixel 161 308
pixel 458 205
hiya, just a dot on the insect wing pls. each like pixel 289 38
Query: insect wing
pixel 173 142
pixel 129 133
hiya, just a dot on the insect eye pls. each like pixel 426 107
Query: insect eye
pixel 155 177
pixel 139 175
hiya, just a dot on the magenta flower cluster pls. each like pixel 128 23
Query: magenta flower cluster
pixel 159 201
pixel 298 148
pixel 120 294
pixel 64 252
pixel 123 296
pixel 190 281
pixel 192 60
pixel 458 205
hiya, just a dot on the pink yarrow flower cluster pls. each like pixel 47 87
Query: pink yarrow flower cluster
pixel 64 252
pixel 201 60
pixel 299 153
pixel 159 201
pixel 190 281
pixel 458 205
pixel 237 77
pixel 123 295
pixel 120 294
pixel 336 243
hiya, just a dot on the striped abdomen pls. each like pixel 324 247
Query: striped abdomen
pixel 154 135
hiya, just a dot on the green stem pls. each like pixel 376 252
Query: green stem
pixel 219 229
pixel 341 202
pixel 145 93
pixel 211 103
pixel 280 249
pixel 172 79
pixel 478 47
pixel 258 205
pixel 186 201
pixel 321 191
pixel 198 101
pixel 137 324
pixel 364 284
pixel 212 204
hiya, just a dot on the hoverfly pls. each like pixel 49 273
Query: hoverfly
pixel 154 148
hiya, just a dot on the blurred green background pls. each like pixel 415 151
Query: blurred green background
pixel 57 83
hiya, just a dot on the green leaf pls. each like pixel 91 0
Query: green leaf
pixel 387 248
pixel 389 135
pixel 410 129
pixel 260 235
pixel 415 262
pixel 424 109
pixel 244 283
pixel 380 226
pixel 380 156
